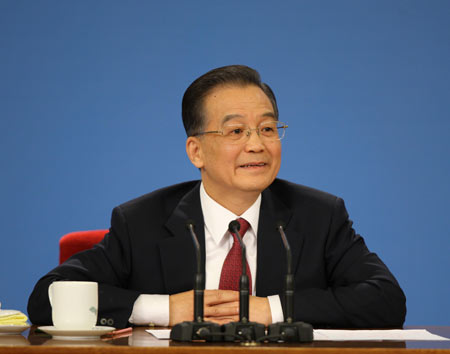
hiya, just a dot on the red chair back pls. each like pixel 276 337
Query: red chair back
pixel 78 241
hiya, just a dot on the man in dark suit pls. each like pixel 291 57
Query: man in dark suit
pixel 145 265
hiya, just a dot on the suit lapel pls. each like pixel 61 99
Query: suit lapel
pixel 178 255
pixel 177 252
pixel 271 255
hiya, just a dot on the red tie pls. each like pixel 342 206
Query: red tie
pixel 232 266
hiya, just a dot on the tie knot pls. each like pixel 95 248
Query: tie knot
pixel 244 226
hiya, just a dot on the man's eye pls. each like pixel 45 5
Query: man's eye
pixel 236 131
pixel 268 129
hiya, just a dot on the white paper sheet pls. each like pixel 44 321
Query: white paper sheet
pixel 375 335
pixel 159 333
pixel 349 335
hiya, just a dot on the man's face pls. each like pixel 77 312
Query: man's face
pixel 243 168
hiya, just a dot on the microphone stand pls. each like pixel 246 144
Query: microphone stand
pixel 198 329
pixel 245 329
pixel 289 331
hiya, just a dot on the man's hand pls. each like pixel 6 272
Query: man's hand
pixel 260 310
pixel 221 306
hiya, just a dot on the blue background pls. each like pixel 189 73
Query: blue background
pixel 90 101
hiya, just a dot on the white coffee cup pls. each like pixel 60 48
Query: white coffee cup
pixel 74 304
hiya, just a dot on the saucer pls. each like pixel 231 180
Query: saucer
pixel 76 334
pixel 13 329
pixel 12 339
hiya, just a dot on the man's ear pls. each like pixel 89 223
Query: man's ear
pixel 194 151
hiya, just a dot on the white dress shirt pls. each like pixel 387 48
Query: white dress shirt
pixel 218 242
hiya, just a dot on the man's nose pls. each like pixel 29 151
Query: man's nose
pixel 254 142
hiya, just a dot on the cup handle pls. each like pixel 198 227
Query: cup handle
pixel 50 294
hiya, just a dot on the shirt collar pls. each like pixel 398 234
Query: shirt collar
pixel 217 217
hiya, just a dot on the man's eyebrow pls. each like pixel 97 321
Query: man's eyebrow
pixel 229 117
pixel 269 114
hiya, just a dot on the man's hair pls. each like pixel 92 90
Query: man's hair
pixel 194 97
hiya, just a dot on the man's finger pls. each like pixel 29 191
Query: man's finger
pixel 222 320
pixel 213 297
pixel 221 311
pixel 226 304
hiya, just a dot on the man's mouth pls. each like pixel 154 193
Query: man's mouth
pixel 253 164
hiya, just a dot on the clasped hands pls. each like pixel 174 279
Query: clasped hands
pixel 220 306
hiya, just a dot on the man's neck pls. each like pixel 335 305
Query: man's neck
pixel 237 203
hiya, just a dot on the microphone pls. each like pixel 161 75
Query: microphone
pixel 289 331
pixel 198 329
pixel 244 285
pixel 245 329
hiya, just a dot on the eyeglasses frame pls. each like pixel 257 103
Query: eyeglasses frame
pixel 248 131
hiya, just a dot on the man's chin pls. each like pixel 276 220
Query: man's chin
pixel 255 186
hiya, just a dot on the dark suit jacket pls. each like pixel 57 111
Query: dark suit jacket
pixel 148 250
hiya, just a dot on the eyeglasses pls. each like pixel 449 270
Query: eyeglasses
pixel 240 133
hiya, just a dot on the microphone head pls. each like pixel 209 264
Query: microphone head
pixel 281 223
pixel 190 223
pixel 233 226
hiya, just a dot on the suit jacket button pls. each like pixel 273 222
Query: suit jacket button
pixel 110 322
pixel 103 321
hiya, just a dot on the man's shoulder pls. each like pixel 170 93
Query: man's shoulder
pixel 293 194
pixel 163 199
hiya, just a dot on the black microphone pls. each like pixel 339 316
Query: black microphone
pixel 249 331
pixel 198 329
pixel 244 285
pixel 289 331
pixel 199 280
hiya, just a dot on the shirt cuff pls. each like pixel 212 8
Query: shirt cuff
pixel 275 308
pixel 150 309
